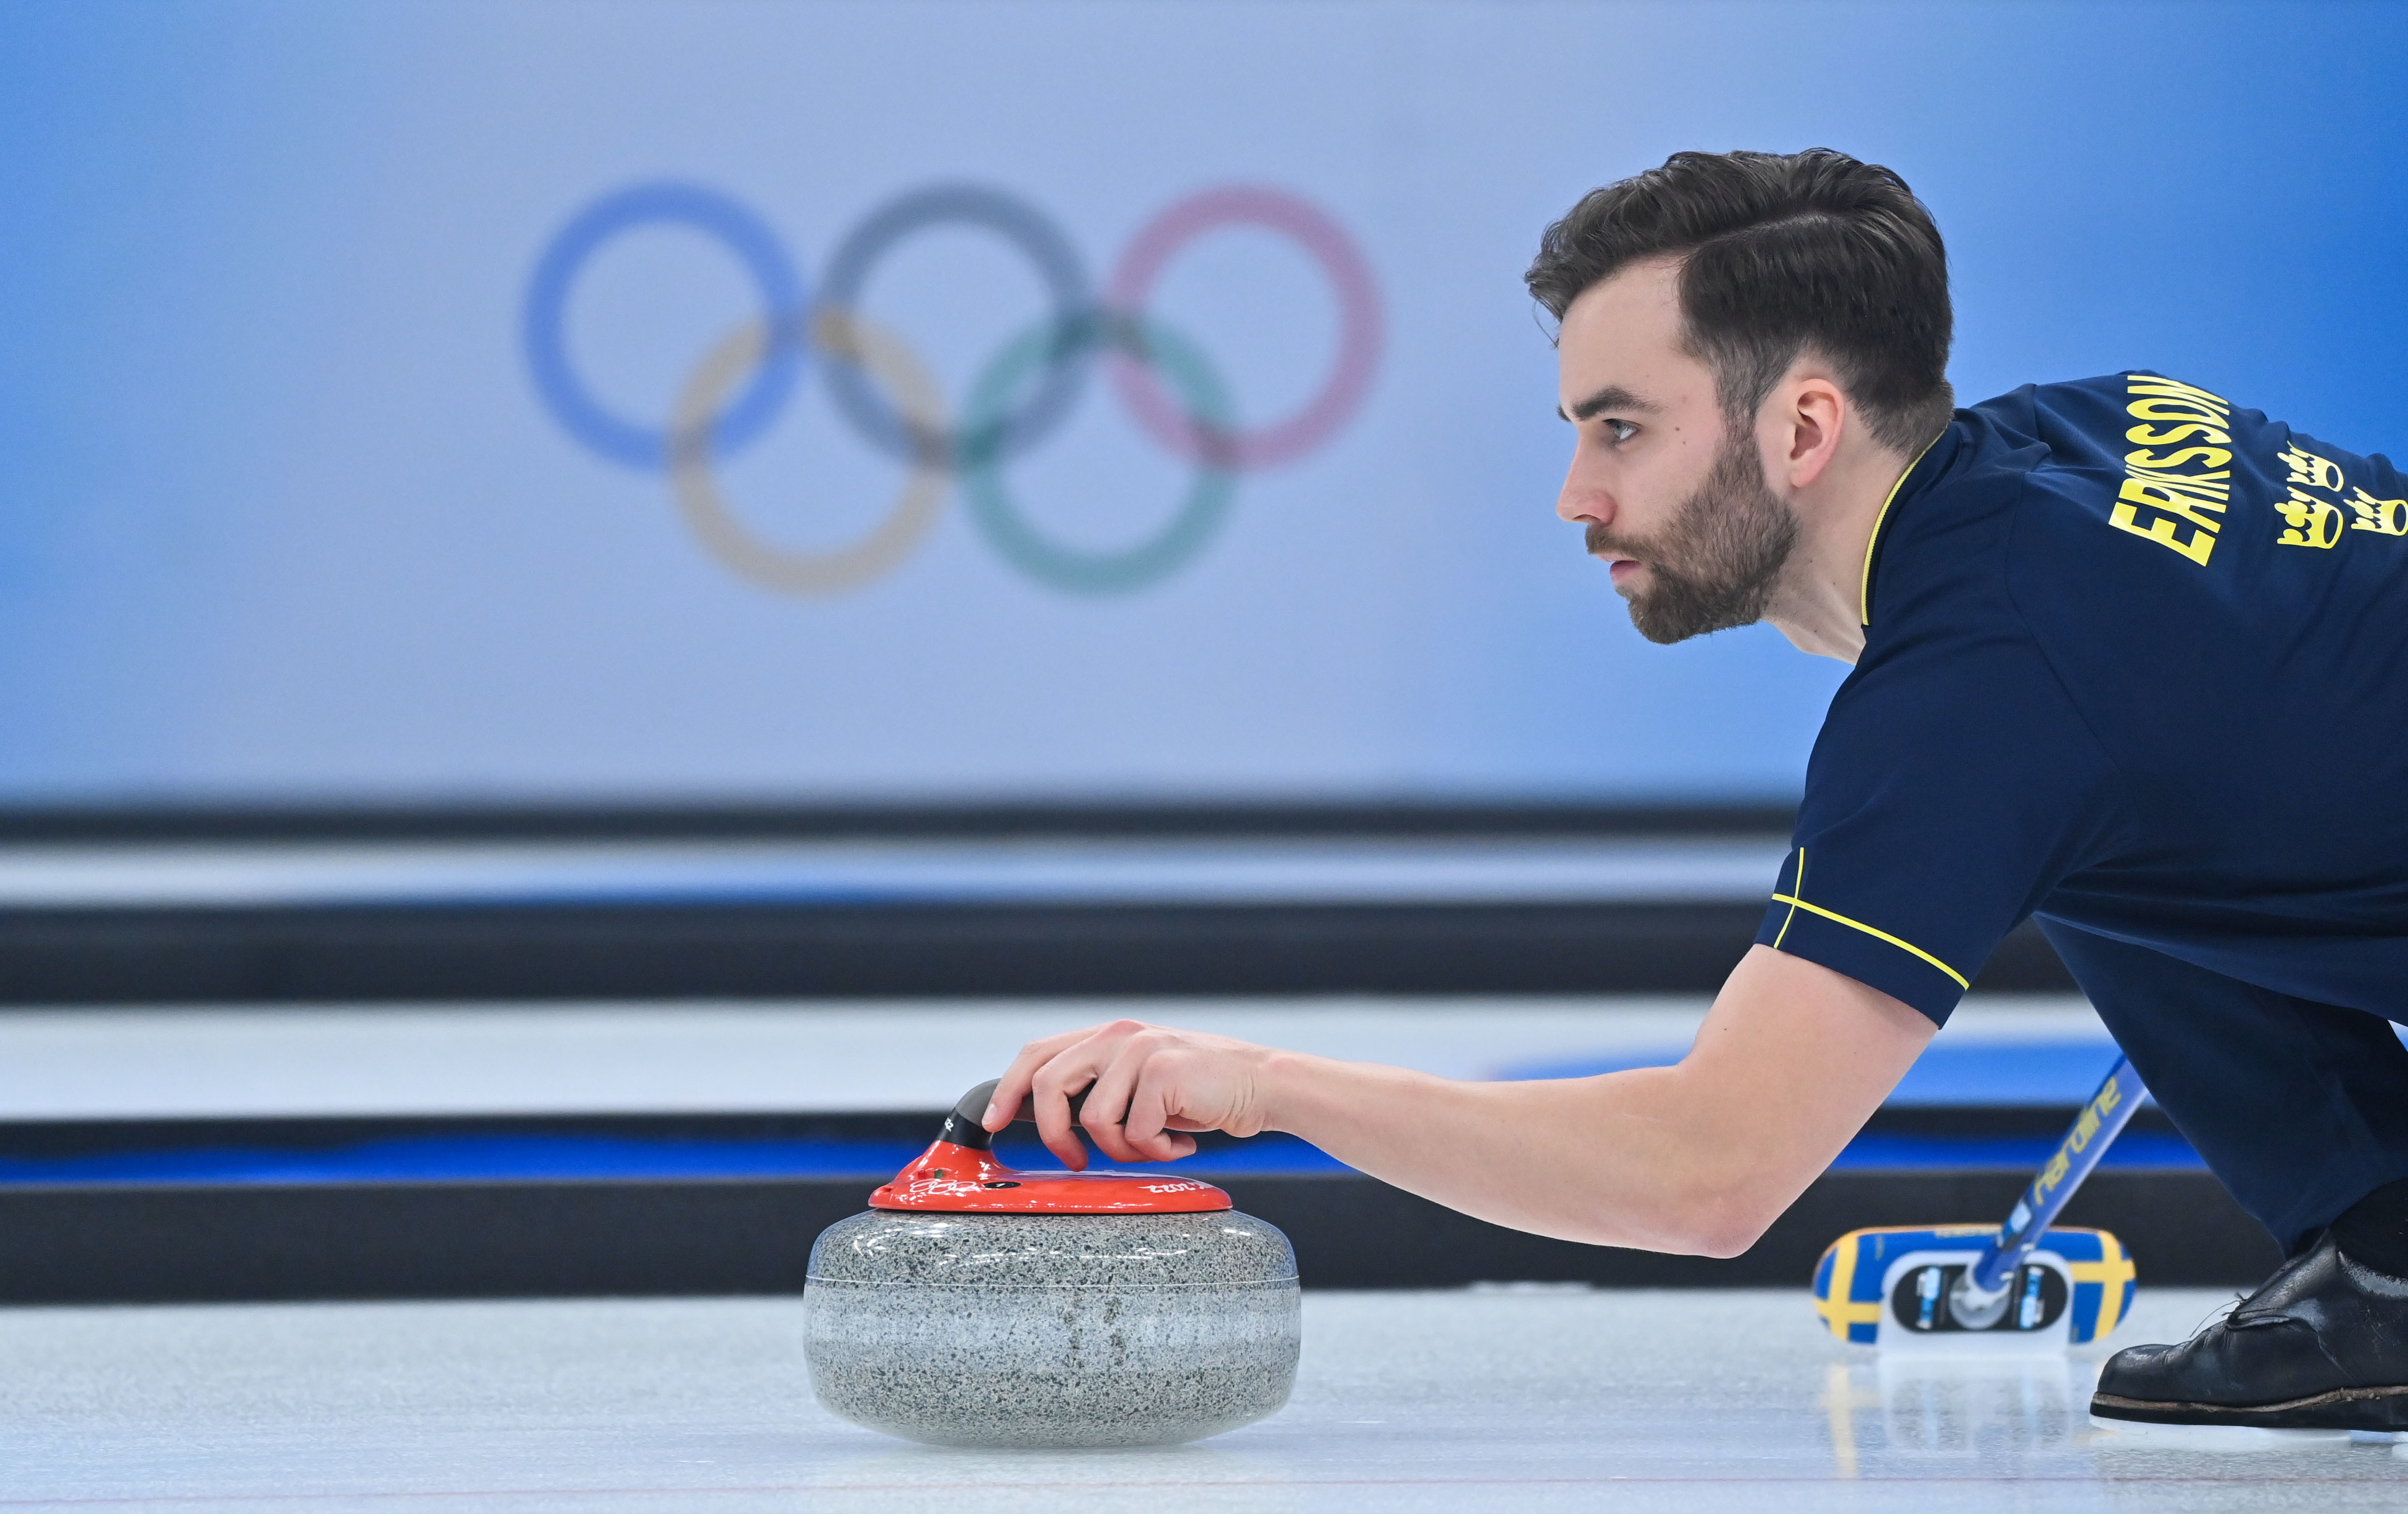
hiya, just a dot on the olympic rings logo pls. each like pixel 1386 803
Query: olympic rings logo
pixel 1027 389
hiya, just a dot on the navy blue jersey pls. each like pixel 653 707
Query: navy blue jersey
pixel 2136 661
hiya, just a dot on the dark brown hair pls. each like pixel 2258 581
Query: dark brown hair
pixel 1782 253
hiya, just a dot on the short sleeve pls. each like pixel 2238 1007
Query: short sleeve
pixel 1954 785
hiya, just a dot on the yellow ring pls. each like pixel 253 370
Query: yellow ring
pixel 845 338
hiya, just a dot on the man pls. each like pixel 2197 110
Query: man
pixel 2127 657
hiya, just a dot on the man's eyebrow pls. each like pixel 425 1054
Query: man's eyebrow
pixel 1611 397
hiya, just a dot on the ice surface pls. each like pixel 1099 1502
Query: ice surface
pixel 1490 1399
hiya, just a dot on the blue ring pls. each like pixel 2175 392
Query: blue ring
pixel 707 211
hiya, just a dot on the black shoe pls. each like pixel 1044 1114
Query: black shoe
pixel 2322 1346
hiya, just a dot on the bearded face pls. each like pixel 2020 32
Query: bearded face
pixel 1715 566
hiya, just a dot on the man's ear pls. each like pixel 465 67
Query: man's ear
pixel 1813 413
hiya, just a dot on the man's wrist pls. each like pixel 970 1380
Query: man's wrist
pixel 1286 1088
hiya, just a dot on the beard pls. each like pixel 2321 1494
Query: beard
pixel 1714 568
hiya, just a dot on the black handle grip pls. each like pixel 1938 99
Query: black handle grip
pixel 962 1126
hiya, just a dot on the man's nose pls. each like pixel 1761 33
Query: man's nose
pixel 1584 498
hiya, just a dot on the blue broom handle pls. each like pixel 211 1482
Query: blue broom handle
pixel 2094 1130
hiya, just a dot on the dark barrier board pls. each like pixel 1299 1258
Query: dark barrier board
pixel 53 1140
pixel 640 1227
pixel 640 1148
pixel 634 952
pixel 114 1244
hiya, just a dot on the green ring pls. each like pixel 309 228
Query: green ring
pixel 990 502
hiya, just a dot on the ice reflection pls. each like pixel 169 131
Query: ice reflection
pixel 1902 1413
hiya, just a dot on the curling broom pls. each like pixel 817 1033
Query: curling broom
pixel 2022 1285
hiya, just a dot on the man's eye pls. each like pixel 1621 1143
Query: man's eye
pixel 1623 429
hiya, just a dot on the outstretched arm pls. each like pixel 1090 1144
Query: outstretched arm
pixel 1697 1158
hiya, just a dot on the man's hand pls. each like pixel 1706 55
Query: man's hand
pixel 1694 1158
pixel 1145 1084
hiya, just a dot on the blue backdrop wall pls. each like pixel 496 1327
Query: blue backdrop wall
pixel 654 399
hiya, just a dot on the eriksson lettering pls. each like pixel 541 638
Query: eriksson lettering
pixel 2180 471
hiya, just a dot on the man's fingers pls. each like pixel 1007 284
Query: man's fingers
pixel 1107 1107
pixel 1177 1097
pixel 1132 1098
pixel 1051 1099
pixel 1107 1063
pixel 1069 1074
pixel 1146 1090
pixel 1152 1101
pixel 1018 1082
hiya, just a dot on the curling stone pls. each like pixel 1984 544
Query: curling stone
pixel 975 1305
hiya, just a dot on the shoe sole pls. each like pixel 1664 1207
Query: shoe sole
pixel 2344 1408
pixel 2142 1434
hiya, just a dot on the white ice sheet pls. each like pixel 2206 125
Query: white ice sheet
pixel 1452 1403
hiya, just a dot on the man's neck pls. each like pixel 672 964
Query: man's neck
pixel 1821 602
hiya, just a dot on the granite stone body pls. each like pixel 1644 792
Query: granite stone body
pixel 1052 1330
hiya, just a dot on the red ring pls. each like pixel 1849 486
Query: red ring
pixel 1359 325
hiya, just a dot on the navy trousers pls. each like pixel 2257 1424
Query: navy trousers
pixel 2301 1108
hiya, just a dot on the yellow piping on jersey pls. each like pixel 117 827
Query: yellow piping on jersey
pixel 1796 904
pixel 1797 883
pixel 1865 589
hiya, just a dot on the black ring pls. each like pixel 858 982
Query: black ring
pixel 1049 402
